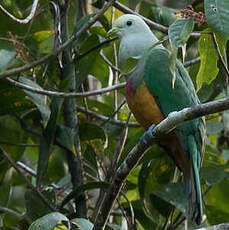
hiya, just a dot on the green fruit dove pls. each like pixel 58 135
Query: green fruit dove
pixel 151 95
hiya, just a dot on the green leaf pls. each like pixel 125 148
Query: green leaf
pixel 48 222
pixel 174 194
pixel 180 30
pixel 39 100
pixel 11 132
pixel 155 174
pixel 47 139
pixel 214 174
pixel 218 198
pixel 65 136
pixel 83 224
pixel 5 193
pixel 208 56
pixel 217 16
pixel 6 57
pixel 163 15
pixel 89 131
pixel 12 100
pixel 214 127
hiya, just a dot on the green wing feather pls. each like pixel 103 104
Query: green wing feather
pixel 158 79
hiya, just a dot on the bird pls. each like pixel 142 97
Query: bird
pixel 152 95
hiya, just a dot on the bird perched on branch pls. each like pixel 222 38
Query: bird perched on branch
pixel 152 94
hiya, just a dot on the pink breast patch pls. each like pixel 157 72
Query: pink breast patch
pixel 128 88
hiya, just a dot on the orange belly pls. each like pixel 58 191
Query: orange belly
pixel 144 107
pixel 146 111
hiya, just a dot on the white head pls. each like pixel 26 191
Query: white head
pixel 129 24
pixel 135 35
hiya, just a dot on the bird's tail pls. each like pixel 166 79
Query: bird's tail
pixel 195 206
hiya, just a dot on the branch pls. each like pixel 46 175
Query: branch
pixel 64 94
pixel 223 226
pixel 61 48
pixel 27 19
pixel 141 147
pixel 152 24
pixel 106 119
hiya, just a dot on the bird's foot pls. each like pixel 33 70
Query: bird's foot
pixel 148 136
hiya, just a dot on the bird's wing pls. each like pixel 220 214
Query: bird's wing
pixel 158 78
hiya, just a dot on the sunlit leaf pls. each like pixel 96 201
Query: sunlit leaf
pixel 208 65
pixel 218 199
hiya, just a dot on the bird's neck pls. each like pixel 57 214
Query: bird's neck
pixel 135 45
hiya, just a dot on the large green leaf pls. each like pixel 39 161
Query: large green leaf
pixel 180 30
pixel 155 174
pixel 217 15
pixel 214 174
pixel 49 222
pixel 47 139
pixel 174 194
pixel 209 57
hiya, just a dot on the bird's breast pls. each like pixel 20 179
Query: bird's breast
pixel 143 105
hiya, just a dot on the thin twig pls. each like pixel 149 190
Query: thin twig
pixel 152 24
pixel 26 168
pixel 192 62
pixel 64 94
pixel 99 46
pixel 114 113
pixel 38 192
pixel 109 63
pixel 19 144
pixel 120 146
pixel 106 119
pixel 10 212
pixel 54 53
pixel 27 19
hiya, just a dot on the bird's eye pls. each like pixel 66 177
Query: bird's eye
pixel 129 23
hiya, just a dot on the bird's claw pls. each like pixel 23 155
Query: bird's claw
pixel 148 135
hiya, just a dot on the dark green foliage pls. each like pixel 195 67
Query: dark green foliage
pixel 33 130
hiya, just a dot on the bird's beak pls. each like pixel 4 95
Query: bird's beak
pixel 113 32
